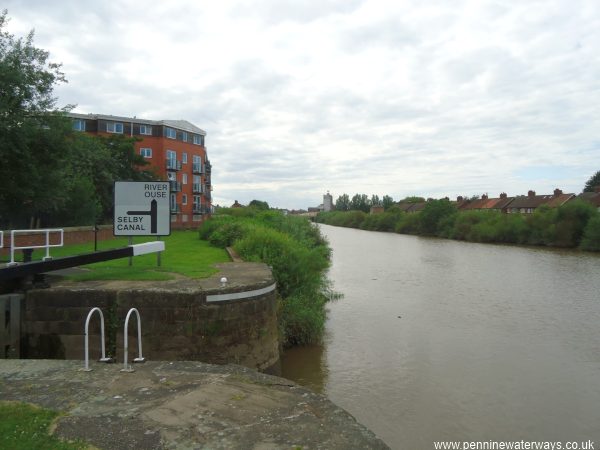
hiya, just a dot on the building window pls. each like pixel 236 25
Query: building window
pixel 79 125
pixel 184 158
pixel 184 136
pixel 184 217
pixel 146 152
pixel 198 139
pixel 171 133
pixel 184 199
pixel 184 178
pixel 146 129
pixel 171 176
pixel 114 127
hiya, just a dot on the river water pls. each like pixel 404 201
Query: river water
pixel 439 340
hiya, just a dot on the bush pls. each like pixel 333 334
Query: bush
pixel 298 255
pixel 591 235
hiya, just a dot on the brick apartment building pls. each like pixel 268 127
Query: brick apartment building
pixel 175 148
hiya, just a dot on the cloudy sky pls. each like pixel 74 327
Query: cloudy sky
pixel 430 98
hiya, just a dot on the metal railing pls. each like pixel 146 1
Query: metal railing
pixel 47 244
pixel 173 164
pixel 175 186
pixel 197 188
pixel 197 168
pixel 140 358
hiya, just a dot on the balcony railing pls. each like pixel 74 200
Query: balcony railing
pixel 208 166
pixel 175 186
pixel 197 168
pixel 197 188
pixel 173 164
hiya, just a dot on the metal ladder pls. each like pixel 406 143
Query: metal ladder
pixel 126 367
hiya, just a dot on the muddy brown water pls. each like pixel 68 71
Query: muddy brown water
pixel 440 340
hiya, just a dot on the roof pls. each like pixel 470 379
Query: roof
pixel 535 201
pixel 487 203
pixel 183 125
pixel 590 197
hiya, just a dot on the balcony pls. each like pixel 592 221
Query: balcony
pixel 175 208
pixel 197 188
pixel 208 166
pixel 175 186
pixel 197 209
pixel 197 168
pixel 173 164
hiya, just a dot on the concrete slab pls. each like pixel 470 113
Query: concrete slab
pixel 182 405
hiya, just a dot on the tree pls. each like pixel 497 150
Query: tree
pixel 387 202
pixel 32 148
pixel 433 214
pixel 375 201
pixel 258 204
pixel 360 202
pixel 342 203
pixel 593 182
pixel 413 199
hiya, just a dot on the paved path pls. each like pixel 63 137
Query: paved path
pixel 182 405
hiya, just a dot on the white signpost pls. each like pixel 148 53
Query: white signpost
pixel 142 208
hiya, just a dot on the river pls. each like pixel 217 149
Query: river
pixel 439 340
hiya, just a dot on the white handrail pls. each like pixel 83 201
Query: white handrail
pixel 47 245
pixel 87 339
pixel 140 358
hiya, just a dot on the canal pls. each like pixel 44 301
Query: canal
pixel 439 340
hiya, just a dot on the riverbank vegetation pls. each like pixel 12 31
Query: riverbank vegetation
pixel 575 224
pixel 298 255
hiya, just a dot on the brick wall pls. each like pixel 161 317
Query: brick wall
pixel 71 235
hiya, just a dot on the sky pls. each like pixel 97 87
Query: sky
pixel 400 98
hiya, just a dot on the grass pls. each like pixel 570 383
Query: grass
pixel 184 254
pixel 27 427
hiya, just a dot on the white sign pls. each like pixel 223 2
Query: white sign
pixel 142 208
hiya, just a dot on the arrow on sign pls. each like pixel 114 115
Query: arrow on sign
pixel 152 213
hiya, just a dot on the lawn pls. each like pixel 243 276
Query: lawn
pixel 26 427
pixel 184 254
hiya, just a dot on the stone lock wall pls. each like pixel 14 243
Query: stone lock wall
pixel 198 320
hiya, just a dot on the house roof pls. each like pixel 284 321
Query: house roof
pixel 591 197
pixel 535 201
pixel 179 124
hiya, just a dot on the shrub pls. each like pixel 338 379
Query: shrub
pixel 591 235
pixel 298 255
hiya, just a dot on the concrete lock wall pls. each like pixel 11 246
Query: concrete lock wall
pixel 198 320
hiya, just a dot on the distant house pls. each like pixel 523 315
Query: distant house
pixel 376 210
pixel 485 203
pixel 529 203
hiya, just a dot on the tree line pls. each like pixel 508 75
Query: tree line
pixel 575 224
pixel 51 175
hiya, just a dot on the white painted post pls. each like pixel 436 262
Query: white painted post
pixel 140 358
pixel 87 341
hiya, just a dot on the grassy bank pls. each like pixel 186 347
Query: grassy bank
pixel 298 255
pixel 184 254
pixel 573 225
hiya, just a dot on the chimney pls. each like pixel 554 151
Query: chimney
pixel 503 195
pixel 460 197
pixel 557 192
pixel 484 196
pixel 531 194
